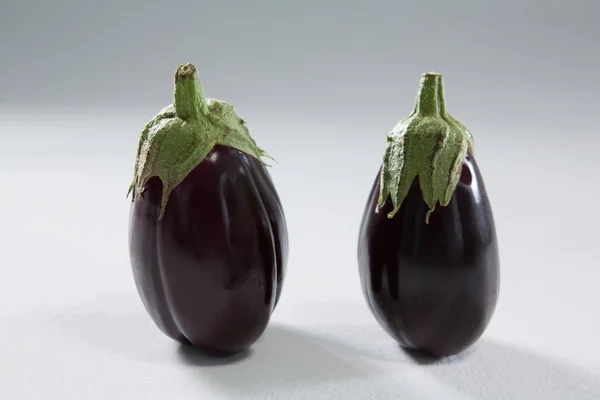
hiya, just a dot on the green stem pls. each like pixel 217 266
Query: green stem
pixel 440 95
pixel 189 102
pixel 430 99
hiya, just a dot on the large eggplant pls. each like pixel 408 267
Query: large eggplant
pixel 208 238
pixel 430 275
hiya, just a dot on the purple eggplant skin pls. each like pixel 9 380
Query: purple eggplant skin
pixel 210 272
pixel 433 287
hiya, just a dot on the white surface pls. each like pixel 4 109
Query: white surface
pixel 72 326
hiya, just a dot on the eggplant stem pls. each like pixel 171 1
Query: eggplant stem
pixel 430 98
pixel 189 100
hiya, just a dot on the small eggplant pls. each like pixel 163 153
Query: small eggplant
pixel 430 276
pixel 207 234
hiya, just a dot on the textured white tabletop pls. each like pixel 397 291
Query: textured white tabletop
pixel 72 325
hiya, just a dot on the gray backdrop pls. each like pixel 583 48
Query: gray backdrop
pixel 506 63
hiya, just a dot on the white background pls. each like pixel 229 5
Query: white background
pixel 72 325
pixel 320 84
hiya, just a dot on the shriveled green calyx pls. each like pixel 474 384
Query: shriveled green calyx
pixel 429 144
pixel 182 134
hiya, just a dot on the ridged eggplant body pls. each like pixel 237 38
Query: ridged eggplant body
pixel 210 271
pixel 207 234
pixel 433 286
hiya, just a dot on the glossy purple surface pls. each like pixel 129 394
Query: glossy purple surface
pixel 433 287
pixel 210 272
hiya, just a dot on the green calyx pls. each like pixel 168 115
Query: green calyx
pixel 429 144
pixel 182 134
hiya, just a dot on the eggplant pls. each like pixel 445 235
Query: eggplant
pixel 427 249
pixel 208 238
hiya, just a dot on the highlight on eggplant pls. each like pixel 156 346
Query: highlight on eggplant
pixel 427 249
pixel 208 238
